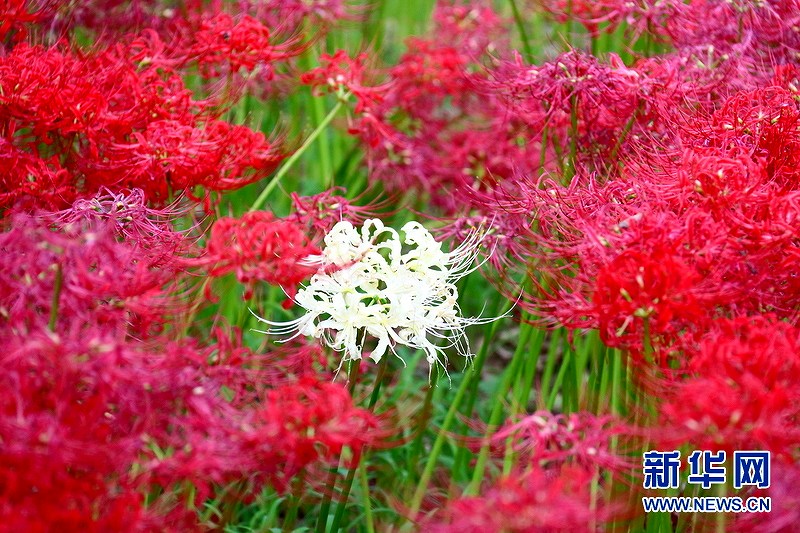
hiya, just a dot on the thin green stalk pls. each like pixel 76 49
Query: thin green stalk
pixel 295 156
pixel 721 519
pixel 620 388
pixel 526 45
pixel 531 364
pixel 524 385
pixel 494 419
pixel 422 486
pixel 324 144
pixel 374 22
pixel 57 284
pixel 425 416
pixel 583 353
pixel 462 453
pixel 362 457
pixel 517 393
pixel 322 520
pixel 297 494
pixel 598 378
pixel 550 364
pixel 348 484
pixel 378 382
pixel 362 470
pixel 566 361
pixel 595 490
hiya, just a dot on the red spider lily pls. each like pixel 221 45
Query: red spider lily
pixel 73 424
pixel 339 74
pixel 607 258
pixel 762 124
pixel 575 97
pixel 46 91
pixel 133 221
pixel 637 294
pixel 583 439
pixel 94 419
pixel 292 427
pixel 322 211
pixel 29 179
pixel 15 15
pixel 112 19
pixel 677 85
pixel 223 42
pixel 231 43
pixel 537 500
pixel 426 128
pixel 170 155
pixel 111 122
pixel 90 420
pixel 248 375
pixel 741 391
pixel 472 27
pixel 260 247
pixel 765 30
pixel 699 225
pixel 288 15
pixel 502 240
pixel 83 275
pixel 607 15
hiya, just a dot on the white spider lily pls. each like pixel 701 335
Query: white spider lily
pixel 372 283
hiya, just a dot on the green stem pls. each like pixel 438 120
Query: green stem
pixel 526 45
pixel 322 520
pixel 532 338
pixel 378 382
pixel 595 490
pixel 362 469
pixel 348 484
pixel 291 515
pixel 511 372
pixel 362 457
pixel 721 517
pixel 324 144
pixel 516 397
pixel 462 454
pixel 57 284
pixel 422 486
pixel 425 417
pixel 296 155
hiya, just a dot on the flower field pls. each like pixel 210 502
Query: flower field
pixel 446 266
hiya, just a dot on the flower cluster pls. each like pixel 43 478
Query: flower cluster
pixel 73 123
pixel 102 406
pixel 258 246
pixel 531 501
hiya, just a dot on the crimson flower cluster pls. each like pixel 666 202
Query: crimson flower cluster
pixel 73 122
pixel 260 247
pixel 102 406
pixel 537 500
